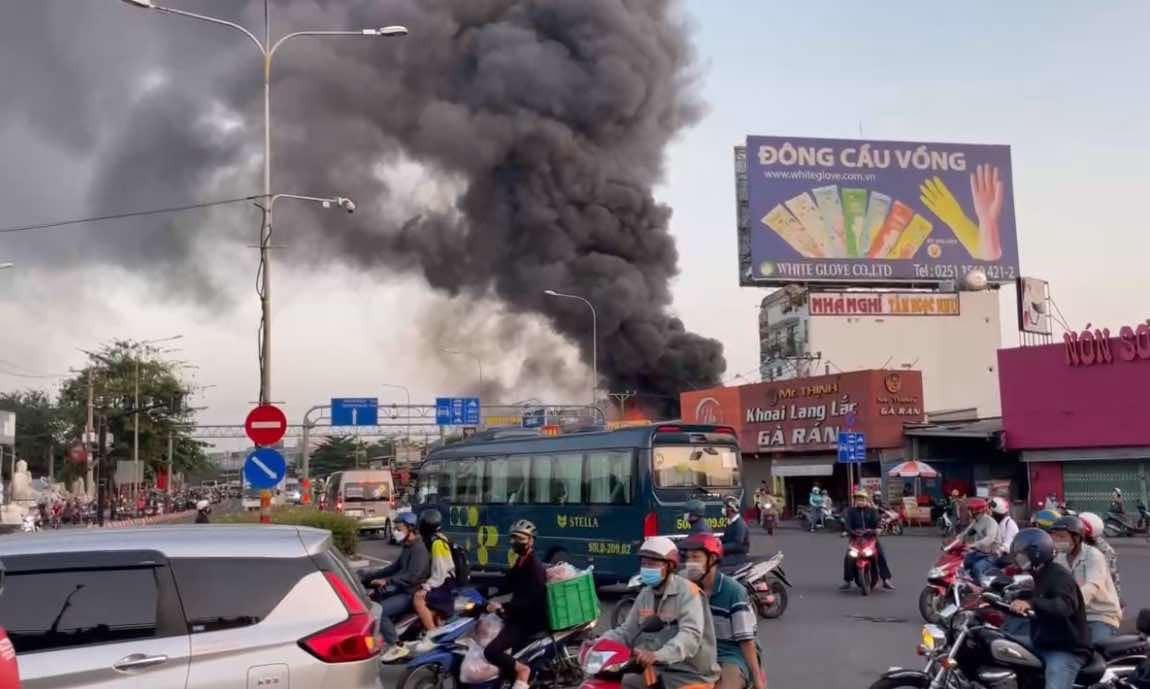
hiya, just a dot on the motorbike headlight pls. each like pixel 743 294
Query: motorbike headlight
pixel 869 552
pixel 932 637
pixel 853 552
pixel 594 662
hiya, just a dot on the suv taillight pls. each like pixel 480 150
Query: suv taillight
pixel 353 639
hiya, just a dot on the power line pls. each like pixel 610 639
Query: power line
pixel 121 216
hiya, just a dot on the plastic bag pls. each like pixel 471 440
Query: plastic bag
pixel 562 572
pixel 488 628
pixel 475 668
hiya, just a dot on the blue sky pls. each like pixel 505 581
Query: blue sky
pixel 1063 83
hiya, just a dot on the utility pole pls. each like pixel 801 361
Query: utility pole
pixel 89 432
pixel 101 459
pixel 622 398
pixel 171 453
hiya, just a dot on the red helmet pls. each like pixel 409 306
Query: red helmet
pixel 976 505
pixel 708 543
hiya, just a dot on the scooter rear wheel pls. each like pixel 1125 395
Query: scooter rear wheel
pixel 622 609
pixel 422 677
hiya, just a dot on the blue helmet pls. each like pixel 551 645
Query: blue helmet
pixel 695 508
pixel 1044 519
pixel 408 519
pixel 1032 549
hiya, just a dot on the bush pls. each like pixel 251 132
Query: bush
pixel 344 530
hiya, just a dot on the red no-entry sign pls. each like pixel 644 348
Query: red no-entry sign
pixel 266 424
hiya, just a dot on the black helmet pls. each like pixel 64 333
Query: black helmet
pixel 1032 548
pixel 1069 524
pixel 696 508
pixel 430 521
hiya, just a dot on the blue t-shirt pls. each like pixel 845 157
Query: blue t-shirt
pixel 734 619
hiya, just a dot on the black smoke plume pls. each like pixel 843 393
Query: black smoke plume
pixel 548 118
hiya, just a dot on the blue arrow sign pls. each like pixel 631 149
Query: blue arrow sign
pixel 264 468
pixel 354 411
pixel 852 448
pixel 457 411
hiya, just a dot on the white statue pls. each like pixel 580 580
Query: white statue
pixel 22 483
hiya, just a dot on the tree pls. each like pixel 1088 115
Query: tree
pixel 41 428
pixel 162 411
pixel 336 453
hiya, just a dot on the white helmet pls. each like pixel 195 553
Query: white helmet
pixel 1118 492
pixel 999 506
pixel 202 504
pixel 660 548
pixel 1092 525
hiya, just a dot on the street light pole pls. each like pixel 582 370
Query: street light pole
pixel 594 339
pixel 267 50
pixel 407 412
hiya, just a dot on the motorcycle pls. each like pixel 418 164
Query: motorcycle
pixel 763 578
pixel 551 656
pixel 827 517
pixel 863 550
pixel 468 605
pixel 769 518
pixel 947 525
pixel 940 582
pixel 972 651
pixel 408 627
pixel 890 522
pixel 29 524
pixel 605 662
pixel 1118 525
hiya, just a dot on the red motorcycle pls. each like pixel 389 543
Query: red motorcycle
pixel 939 591
pixel 605 662
pixel 863 551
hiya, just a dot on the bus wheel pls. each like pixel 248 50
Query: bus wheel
pixel 557 556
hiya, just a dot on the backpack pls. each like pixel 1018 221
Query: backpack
pixel 458 561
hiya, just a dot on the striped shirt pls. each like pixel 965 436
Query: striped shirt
pixel 733 615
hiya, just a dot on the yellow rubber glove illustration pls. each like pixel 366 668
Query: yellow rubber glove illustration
pixel 937 197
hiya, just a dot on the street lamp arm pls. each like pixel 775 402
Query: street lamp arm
pixel 320 34
pixel 213 20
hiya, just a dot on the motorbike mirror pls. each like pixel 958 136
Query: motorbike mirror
pixel 1000 582
pixel 1144 621
pixel 653 624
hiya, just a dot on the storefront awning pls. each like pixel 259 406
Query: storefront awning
pixel 1086 454
pixel 985 429
pixel 823 465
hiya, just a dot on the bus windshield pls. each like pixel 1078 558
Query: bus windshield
pixel 688 466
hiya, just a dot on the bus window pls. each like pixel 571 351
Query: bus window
pixel 468 482
pixel 557 479
pixel 430 475
pixel 686 466
pixel 609 477
pixel 518 480
pixel 495 481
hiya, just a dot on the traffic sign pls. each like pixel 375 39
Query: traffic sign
pixel 266 424
pixel 264 468
pixel 354 411
pixel 535 418
pixel 457 411
pixel 852 448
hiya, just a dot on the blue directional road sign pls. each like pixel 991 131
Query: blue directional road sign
pixel 457 411
pixel 264 468
pixel 535 417
pixel 354 411
pixel 852 448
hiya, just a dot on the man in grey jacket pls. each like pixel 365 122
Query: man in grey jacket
pixel 981 538
pixel 400 580
pixel 683 652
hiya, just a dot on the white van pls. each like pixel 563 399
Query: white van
pixel 367 495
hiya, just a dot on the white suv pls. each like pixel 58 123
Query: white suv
pixel 187 607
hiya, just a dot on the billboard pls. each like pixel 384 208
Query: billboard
pixel 883 304
pixel 1033 306
pixel 878 212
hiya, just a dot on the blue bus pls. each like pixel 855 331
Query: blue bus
pixel 593 496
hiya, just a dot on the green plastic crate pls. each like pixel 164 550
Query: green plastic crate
pixel 572 602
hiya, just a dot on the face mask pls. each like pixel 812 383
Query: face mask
pixel 1061 547
pixel 1022 561
pixel 694 571
pixel 400 535
pixel 651 576
pixel 518 547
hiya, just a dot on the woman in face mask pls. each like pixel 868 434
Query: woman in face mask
pixel 525 614
pixel 733 616
pixel 1092 574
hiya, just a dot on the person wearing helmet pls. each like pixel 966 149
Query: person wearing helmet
pixel 436 595
pixel 1007 527
pixel 525 613
pixel 1044 519
pixel 682 652
pixel 1058 631
pixel 1117 502
pixel 860 518
pixel 1088 565
pixel 736 535
pixel 981 539
pixel 1093 531
pixel 203 512
pixel 696 521
pixel 732 614
pixel 399 581
pixel 815 500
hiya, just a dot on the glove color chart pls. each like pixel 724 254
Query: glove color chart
pixel 879 211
